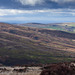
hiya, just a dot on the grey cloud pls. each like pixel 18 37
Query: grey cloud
pixel 37 4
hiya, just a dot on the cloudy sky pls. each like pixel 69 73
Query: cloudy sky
pixel 41 11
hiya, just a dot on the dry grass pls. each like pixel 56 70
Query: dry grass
pixel 30 71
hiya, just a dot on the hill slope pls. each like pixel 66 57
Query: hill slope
pixel 23 45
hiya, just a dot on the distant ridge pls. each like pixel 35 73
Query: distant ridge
pixel 69 27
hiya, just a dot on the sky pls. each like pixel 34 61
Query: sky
pixel 37 11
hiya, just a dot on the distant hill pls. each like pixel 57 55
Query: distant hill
pixel 24 45
pixel 70 27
